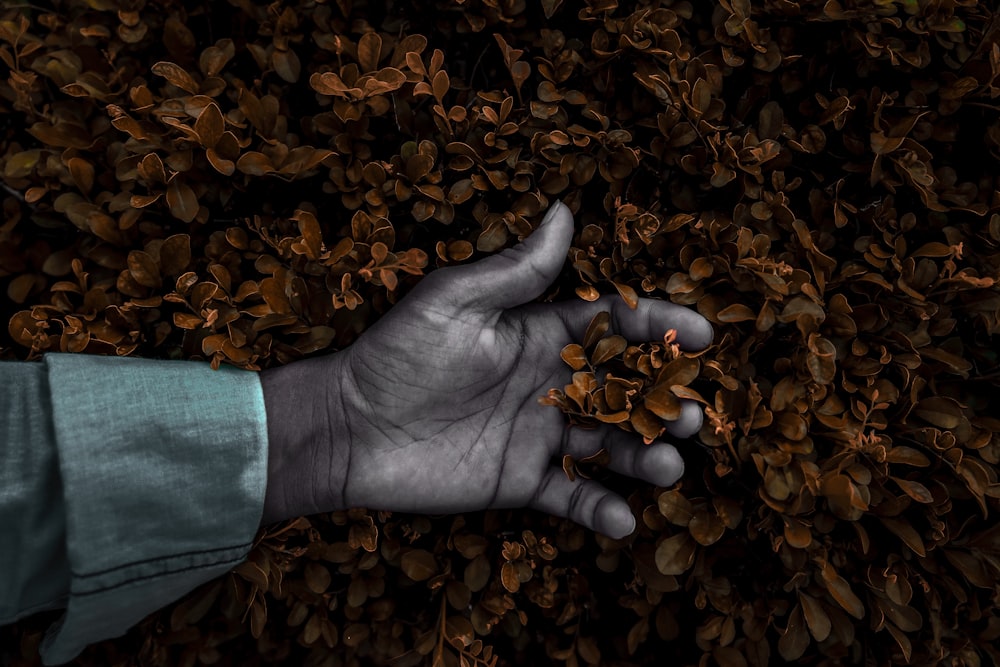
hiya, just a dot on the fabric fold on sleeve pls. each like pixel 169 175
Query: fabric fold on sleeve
pixel 34 572
pixel 164 467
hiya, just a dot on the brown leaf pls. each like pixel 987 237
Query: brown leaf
pixel 914 489
pixel 596 329
pixel 286 64
pixel 274 295
pixel 182 200
pixel 675 507
pixel 607 348
pixel 574 356
pixel 906 455
pixel 627 293
pixel 493 237
pixel 317 577
pixel 312 235
pixel 675 554
pixel 21 286
pixel 369 51
pixel 151 169
pixel 509 578
pixel 940 411
pixel 419 564
pixel 841 591
pixel 932 249
pixel 328 83
pixel 550 7
pixel 821 360
pixel 843 497
pixel 519 72
pixel 176 75
pixel 254 164
pixel 792 426
pixel 701 268
pixel 972 568
pixel 736 312
pixel 175 254
pixel 646 423
pixel 210 125
pixel 220 164
pixel 797 534
pixel 187 321
pixel 795 640
pixel 214 58
pixel 143 269
pixel 477 573
pixel 569 467
pixel 680 371
pixel 706 527
pixel 440 85
pixel 904 642
pixel 82 173
pixel 662 402
pixel 816 617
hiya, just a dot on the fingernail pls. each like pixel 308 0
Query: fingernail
pixel 552 211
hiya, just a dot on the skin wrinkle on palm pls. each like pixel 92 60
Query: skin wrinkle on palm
pixel 468 349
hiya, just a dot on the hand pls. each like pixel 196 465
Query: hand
pixel 434 409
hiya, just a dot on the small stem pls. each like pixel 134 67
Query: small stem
pixel 13 192
pixel 439 650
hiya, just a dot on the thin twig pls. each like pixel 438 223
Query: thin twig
pixel 28 5
pixel 14 192
pixel 439 650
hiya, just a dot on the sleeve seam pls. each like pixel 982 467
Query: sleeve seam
pixel 144 561
pixel 155 576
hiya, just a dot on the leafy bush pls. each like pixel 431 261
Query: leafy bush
pixel 251 184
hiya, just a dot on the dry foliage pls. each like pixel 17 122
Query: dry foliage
pixel 250 184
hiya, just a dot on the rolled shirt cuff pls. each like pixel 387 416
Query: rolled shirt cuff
pixel 164 467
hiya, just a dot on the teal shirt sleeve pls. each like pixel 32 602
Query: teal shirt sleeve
pixel 125 483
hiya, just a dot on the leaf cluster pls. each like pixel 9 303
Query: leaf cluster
pixel 252 183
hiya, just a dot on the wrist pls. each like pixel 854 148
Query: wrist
pixel 308 444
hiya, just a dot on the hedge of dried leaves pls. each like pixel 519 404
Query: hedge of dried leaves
pixel 252 183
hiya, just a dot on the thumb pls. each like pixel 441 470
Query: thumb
pixel 519 274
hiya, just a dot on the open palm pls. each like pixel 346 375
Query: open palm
pixel 439 397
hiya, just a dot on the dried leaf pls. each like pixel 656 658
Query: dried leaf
pixel 182 200
pixel 914 489
pixel 143 269
pixel 419 564
pixel 815 616
pixel 736 312
pixel 317 577
pixel 841 591
pixel 662 402
pixel 675 507
pixel 286 64
pixel 906 455
pixel 210 125
pixel 607 348
pixel 596 329
pixel 574 356
pixel 176 75
pixel 940 411
pixel 627 293
pixel 795 639
pixel 706 527
pixel 675 554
